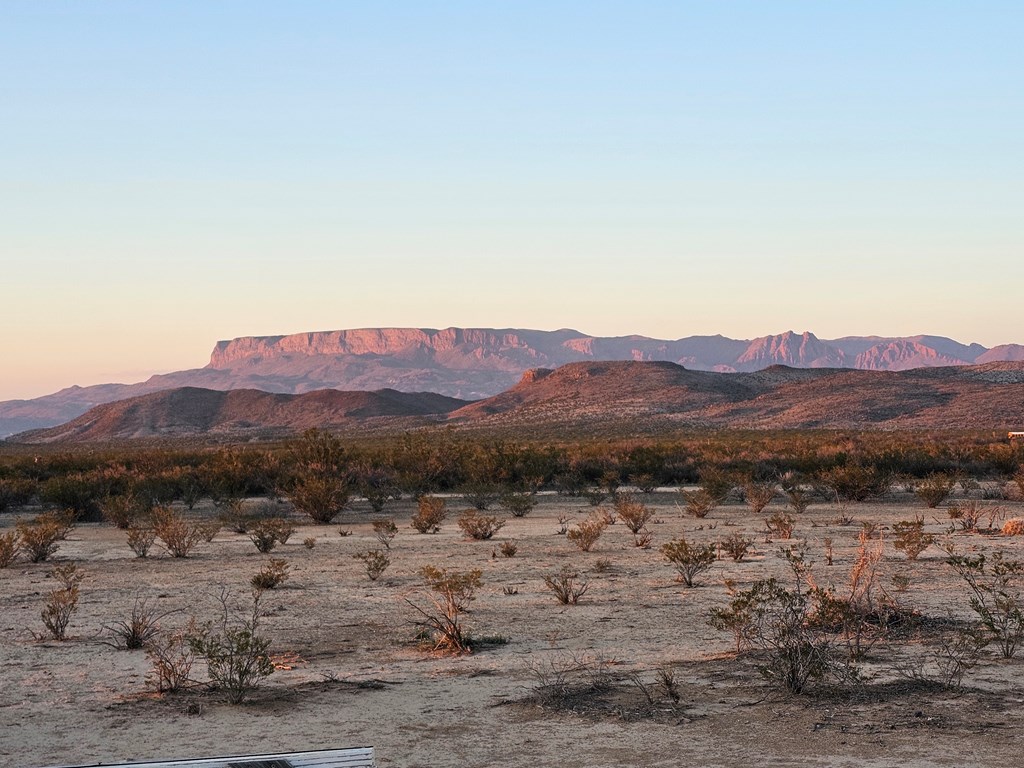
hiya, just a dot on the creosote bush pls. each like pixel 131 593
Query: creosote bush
pixel 736 546
pixel 450 594
pixel 699 503
pixel 995 596
pixel 272 575
pixel 780 525
pixel 171 658
pixel 429 515
pixel 9 547
pixel 177 534
pixel 586 533
pixel 479 527
pixel 690 560
pixel 385 531
pixel 935 490
pixel 267 533
pixel 375 561
pixel 319 486
pixel 236 655
pixel 634 514
pixel 758 495
pixel 518 504
pixel 141 540
pixel 40 538
pixel 910 538
pixel 61 603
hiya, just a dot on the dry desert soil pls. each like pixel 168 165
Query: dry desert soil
pixel 352 674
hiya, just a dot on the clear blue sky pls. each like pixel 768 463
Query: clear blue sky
pixel 176 173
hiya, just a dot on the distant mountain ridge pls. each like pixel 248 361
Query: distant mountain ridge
pixel 620 398
pixel 475 363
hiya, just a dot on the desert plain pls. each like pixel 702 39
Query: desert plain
pixel 566 685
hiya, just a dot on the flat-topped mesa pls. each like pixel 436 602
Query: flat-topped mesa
pixel 363 341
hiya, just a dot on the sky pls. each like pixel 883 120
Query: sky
pixel 172 174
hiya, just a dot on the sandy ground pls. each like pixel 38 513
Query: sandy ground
pixel 358 679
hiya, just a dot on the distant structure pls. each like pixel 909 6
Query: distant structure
pixel 361 757
pixel 1015 435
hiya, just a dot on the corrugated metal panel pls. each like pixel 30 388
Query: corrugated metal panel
pixel 361 757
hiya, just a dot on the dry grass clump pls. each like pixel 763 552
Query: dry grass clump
pixel 138 630
pixel 566 586
pixel 1013 527
pixel 479 527
pixel 736 546
pixel 430 513
pixel 780 525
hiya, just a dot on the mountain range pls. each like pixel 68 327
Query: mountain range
pixel 613 398
pixel 477 363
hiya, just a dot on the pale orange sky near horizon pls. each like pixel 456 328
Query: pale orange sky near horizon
pixel 177 174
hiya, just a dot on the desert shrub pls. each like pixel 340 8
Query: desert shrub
pixel 716 484
pixel 141 539
pixel 271 576
pixel 780 525
pixel 138 630
pixel 319 487
pixel 15 492
pixel 79 492
pixel 177 534
pixel 698 503
pixel 384 531
pixel 798 499
pixel 236 655
pixel 63 602
pixel 935 489
pixel 479 527
pixel 9 548
pixel 450 594
pixel 776 621
pixel 122 510
pixel 595 496
pixel 267 533
pixel 378 486
pixel 309 542
pixel 642 538
pixel 633 514
pixel 208 529
pixel 171 658
pixel 509 548
pixel 429 515
pixel 644 483
pixel 586 533
pixel 967 514
pixel 375 561
pixel 995 596
pixel 40 538
pixel 481 494
pixel 736 546
pixel 909 537
pixel 566 586
pixel 690 560
pixel 854 482
pixel 62 520
pixel 758 495
pixel 518 504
